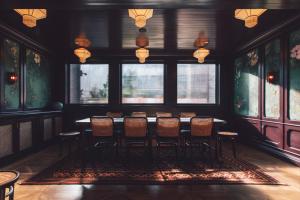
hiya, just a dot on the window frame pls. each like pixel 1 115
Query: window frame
pixel 217 84
pixel 143 104
pixel 68 79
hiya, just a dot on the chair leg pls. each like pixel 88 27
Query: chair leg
pixel 191 149
pixel 220 147
pixel 127 149
pixel 233 147
pixel 210 152
pixel 11 196
pixel 158 149
pixel 176 151
pixel 116 147
pixel 60 146
pixel 70 146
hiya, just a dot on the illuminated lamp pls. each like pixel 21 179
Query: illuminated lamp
pixel 82 54
pixel 82 41
pixel 30 16
pixel 142 54
pixel 272 77
pixel 12 77
pixel 142 40
pixel 140 16
pixel 200 54
pixel 250 16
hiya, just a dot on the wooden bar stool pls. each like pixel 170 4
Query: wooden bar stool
pixel 69 137
pixel 7 181
pixel 226 134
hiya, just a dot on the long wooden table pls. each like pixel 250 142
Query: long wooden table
pixel 151 120
pixel 85 123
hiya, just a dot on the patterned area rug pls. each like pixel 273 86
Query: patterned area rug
pixel 138 170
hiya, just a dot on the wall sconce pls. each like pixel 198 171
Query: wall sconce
pixel 12 77
pixel 272 77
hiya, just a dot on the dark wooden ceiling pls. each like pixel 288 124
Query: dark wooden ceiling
pixel 171 29
pixel 207 4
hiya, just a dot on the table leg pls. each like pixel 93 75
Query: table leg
pixel 2 194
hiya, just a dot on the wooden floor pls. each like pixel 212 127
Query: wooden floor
pixel 284 172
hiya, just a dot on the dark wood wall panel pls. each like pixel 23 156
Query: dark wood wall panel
pixel 292 139
pixel 21 134
pixel 273 134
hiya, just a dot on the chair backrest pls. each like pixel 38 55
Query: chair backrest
pixel 114 114
pixel 187 114
pixel 163 114
pixel 201 126
pixel 138 114
pixel 102 126
pixel 135 126
pixel 167 126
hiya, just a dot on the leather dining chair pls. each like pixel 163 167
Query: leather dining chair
pixel 187 114
pixel 135 132
pixel 114 114
pixel 167 133
pixel 138 114
pixel 163 114
pixel 103 132
pixel 201 133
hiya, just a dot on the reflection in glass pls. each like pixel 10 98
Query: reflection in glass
pixel 142 83
pixel 246 82
pixel 272 89
pixel 11 54
pixel 38 75
pixel 294 80
pixel 196 83
pixel 89 83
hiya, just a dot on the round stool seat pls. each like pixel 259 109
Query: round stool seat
pixel 7 177
pixel 69 134
pixel 226 133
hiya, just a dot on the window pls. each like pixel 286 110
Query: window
pixel 89 83
pixel 142 83
pixel 38 80
pixel 196 83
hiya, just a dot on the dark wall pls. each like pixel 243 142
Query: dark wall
pixel 221 109
pixel 280 134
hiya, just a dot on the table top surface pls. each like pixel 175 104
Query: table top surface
pixel 6 177
pixel 150 120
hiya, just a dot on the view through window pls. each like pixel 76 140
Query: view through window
pixel 89 83
pixel 196 83
pixel 142 83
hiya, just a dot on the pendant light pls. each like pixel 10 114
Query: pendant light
pixel 140 16
pixel 142 54
pixel 200 54
pixel 82 41
pixel 142 39
pixel 30 16
pixel 250 16
pixel 82 54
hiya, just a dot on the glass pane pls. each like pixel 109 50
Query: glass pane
pixel 246 83
pixel 196 83
pixel 143 83
pixel 38 75
pixel 272 88
pixel 11 54
pixel 294 80
pixel 89 83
